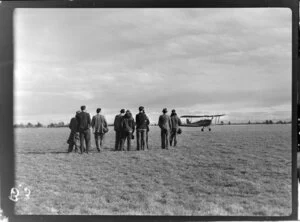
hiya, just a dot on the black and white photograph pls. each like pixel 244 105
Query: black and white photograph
pixel 153 111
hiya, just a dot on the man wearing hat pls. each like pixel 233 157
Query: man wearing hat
pixel 117 128
pixel 142 123
pixel 74 134
pixel 175 123
pixel 84 123
pixel 99 125
pixel 165 126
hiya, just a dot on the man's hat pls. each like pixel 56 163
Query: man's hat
pixel 164 110
pixel 83 107
pixel 173 111
pixel 122 111
pixel 141 108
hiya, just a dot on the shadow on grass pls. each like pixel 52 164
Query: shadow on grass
pixel 52 152
pixel 60 152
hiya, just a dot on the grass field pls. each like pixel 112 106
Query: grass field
pixel 232 170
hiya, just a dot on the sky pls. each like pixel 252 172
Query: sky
pixel 198 61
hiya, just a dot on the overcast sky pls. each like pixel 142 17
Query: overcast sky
pixel 198 61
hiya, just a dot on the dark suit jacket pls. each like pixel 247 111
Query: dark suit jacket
pixel 73 125
pixel 117 122
pixel 142 121
pixel 127 124
pixel 84 121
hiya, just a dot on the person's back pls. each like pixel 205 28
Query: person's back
pixel 128 123
pixel 99 123
pixel 118 129
pixel 117 122
pixel 142 121
pixel 164 122
pixel 74 134
pixel 84 121
pixel 175 121
pixel 128 127
pixel 73 125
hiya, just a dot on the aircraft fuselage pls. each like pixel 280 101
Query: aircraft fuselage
pixel 200 123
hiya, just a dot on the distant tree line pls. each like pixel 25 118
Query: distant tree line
pixel 257 122
pixel 271 122
pixel 39 125
pixel 28 125
pixel 56 125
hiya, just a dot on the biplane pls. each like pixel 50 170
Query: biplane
pixel 205 120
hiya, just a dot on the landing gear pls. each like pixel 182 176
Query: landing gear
pixel 203 129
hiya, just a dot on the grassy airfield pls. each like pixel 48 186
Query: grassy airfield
pixel 230 171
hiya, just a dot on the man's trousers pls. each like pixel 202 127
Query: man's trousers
pixel 85 140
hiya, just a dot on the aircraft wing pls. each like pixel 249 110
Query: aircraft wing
pixel 197 116
pixel 218 115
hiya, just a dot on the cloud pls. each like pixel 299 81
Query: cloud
pixel 198 60
pixel 81 95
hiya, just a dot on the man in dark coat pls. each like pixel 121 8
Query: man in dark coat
pixel 84 123
pixel 142 122
pixel 175 123
pixel 99 125
pixel 164 124
pixel 127 126
pixel 117 128
pixel 74 134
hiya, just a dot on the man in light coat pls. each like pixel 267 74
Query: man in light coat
pixel 164 124
pixel 175 123
pixel 99 126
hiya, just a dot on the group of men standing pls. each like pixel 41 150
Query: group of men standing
pixel 80 130
pixel 169 128
pixel 124 126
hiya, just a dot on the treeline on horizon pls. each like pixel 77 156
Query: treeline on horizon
pixel 257 122
pixel 62 124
